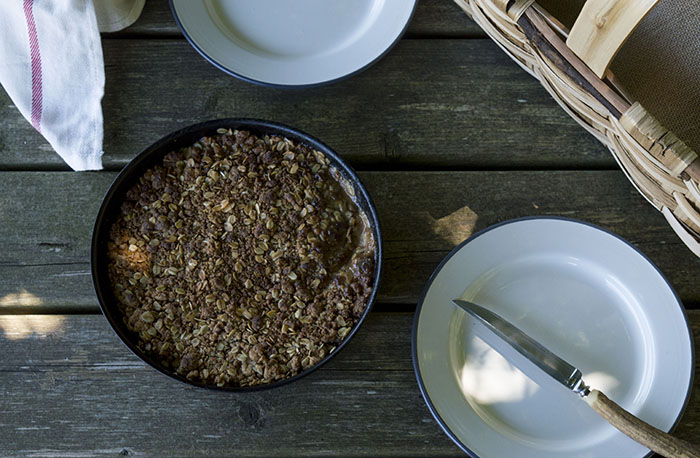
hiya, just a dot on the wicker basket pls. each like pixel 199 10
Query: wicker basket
pixel 570 45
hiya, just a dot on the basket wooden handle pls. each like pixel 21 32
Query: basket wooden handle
pixel 650 437
pixel 602 28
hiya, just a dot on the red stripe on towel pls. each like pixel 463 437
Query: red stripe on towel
pixel 37 90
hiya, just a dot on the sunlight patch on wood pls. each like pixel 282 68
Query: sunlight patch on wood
pixel 21 298
pixel 16 327
pixel 455 227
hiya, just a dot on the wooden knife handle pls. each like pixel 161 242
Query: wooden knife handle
pixel 652 438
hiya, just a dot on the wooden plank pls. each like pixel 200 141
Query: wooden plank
pixel 48 217
pixel 429 103
pixel 384 340
pixel 432 18
pixel 70 388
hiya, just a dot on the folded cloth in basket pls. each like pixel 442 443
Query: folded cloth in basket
pixel 52 68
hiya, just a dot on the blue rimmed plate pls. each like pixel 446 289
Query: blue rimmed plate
pixel 579 290
pixel 292 43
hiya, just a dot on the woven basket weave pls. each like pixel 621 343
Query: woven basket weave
pixel 662 166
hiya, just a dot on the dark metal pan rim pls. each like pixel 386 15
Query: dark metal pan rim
pixel 152 155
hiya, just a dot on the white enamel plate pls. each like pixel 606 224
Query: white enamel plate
pixel 292 42
pixel 582 292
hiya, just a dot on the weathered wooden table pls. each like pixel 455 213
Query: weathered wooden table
pixel 449 136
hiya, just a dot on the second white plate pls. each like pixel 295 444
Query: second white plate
pixel 582 292
pixel 292 43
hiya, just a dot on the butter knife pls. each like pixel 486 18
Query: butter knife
pixel 569 376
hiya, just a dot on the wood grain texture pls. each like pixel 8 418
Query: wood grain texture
pixel 48 219
pixel 432 18
pixel 437 101
pixel 78 390
pixel 652 438
pixel 428 104
pixel 70 388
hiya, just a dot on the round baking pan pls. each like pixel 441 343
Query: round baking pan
pixel 152 156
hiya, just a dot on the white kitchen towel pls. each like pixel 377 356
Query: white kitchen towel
pixel 52 68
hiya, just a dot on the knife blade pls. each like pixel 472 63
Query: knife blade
pixel 572 378
pixel 559 369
